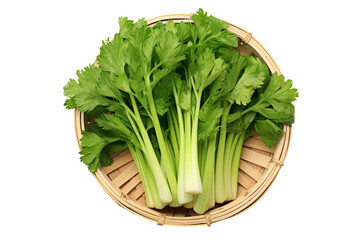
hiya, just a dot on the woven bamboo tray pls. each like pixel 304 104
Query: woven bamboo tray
pixel 259 165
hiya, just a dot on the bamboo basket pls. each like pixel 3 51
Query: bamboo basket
pixel 259 165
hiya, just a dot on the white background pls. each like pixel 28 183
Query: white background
pixel 46 193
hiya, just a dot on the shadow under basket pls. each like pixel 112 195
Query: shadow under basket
pixel 259 165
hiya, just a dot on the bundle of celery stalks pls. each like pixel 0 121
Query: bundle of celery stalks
pixel 183 100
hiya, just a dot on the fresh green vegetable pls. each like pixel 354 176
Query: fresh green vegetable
pixel 183 101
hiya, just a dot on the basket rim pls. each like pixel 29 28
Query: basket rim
pixel 230 209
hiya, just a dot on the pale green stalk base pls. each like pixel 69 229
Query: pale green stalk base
pixel 173 144
pixel 184 152
pixel 231 141
pixel 147 179
pixel 184 156
pixel 144 139
pixel 165 155
pixel 189 205
pixel 220 193
pixel 192 174
pixel 206 199
pixel 235 167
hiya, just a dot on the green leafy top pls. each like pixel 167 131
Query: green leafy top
pixel 196 62
pixel 212 31
pixel 96 146
pixel 273 107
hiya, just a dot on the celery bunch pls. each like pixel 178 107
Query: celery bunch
pixel 183 101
